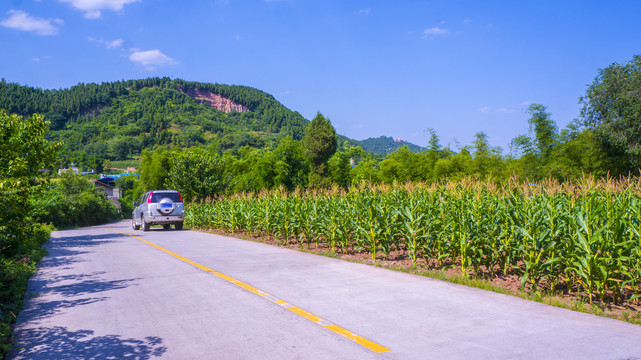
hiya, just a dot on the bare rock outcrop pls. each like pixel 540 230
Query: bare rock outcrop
pixel 216 101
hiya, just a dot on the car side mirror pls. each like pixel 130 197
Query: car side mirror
pixel 135 203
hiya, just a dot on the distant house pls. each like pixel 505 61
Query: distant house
pixel 113 193
pixel 75 170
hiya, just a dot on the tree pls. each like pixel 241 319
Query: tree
pixel 487 160
pixel 366 171
pixel 319 144
pixel 454 167
pixel 536 148
pixel 253 170
pixel 402 165
pixel 341 164
pixel 434 144
pixel 290 165
pixel 154 168
pixel 73 201
pixel 580 153
pixel 196 174
pixel 544 129
pixel 23 152
pixel 612 108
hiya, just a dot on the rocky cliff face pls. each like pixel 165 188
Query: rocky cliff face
pixel 216 101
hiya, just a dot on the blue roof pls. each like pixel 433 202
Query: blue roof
pixel 117 176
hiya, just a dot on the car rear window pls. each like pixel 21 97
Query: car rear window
pixel 156 197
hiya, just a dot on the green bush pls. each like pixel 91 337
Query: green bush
pixel 23 151
pixel 73 201
pixel 130 191
pixel 14 276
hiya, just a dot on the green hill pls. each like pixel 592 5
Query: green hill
pixel 115 121
pixel 384 145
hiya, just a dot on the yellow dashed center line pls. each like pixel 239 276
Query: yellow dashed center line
pixel 296 310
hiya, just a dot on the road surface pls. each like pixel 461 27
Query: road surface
pixel 104 294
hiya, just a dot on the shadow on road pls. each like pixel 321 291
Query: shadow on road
pixel 85 285
pixel 59 343
pixel 41 310
pixel 63 250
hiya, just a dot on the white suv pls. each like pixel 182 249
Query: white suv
pixel 159 207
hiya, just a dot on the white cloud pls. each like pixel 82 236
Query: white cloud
pixel 365 11
pixel 151 59
pixel 109 44
pixel 435 31
pixel 93 8
pixel 114 43
pixel 484 109
pixel 22 21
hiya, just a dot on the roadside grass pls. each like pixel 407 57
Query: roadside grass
pixel 15 272
pixel 629 315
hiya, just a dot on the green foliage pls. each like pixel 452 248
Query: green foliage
pixel 384 145
pixel 612 108
pixel 580 237
pixel 544 129
pixel 117 120
pixel 366 171
pixel 290 165
pixel 487 162
pixel 319 144
pixel 130 191
pixel 401 165
pixel 253 170
pixel 454 167
pixel 341 165
pixel 154 168
pixel 14 276
pixel 581 153
pixel 23 151
pixel 73 201
pixel 196 174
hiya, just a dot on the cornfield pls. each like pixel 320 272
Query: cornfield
pixel 582 238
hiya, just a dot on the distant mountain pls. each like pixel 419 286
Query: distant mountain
pixel 384 145
pixel 117 120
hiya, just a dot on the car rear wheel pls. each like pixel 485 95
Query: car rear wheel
pixel 145 225
pixel 178 225
pixel 134 225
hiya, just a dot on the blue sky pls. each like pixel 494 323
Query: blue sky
pixel 393 68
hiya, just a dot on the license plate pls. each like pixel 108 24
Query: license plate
pixel 166 205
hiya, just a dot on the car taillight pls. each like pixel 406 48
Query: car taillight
pixel 180 197
pixel 151 194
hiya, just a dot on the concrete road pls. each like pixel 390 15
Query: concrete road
pixel 102 294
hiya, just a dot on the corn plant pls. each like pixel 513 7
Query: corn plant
pixel 586 235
